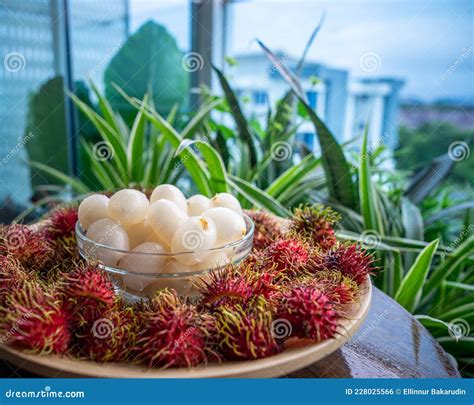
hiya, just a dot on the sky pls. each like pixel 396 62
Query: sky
pixel 428 43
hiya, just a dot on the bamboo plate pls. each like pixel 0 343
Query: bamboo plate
pixel 293 358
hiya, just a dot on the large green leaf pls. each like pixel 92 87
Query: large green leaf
pixel 77 185
pixel 46 130
pixel 410 291
pixel 149 61
pixel 136 146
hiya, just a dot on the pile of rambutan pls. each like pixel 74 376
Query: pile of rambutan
pixel 297 284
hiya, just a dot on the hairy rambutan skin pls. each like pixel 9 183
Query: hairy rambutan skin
pixel 246 333
pixel 309 312
pixel 12 275
pixel 110 338
pixel 267 229
pixel 226 286
pixel 171 333
pixel 34 320
pixel 350 259
pixel 315 224
pixel 286 256
pixel 87 292
pixel 341 290
pixel 61 222
pixel 28 246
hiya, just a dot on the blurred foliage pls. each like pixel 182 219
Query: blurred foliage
pixel 148 62
pixel 418 147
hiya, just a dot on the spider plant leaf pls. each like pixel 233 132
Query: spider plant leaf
pixel 112 138
pixel 450 211
pixel 447 266
pixel 292 176
pixel 410 291
pixel 257 197
pixel 239 118
pixel 98 168
pixel 77 185
pixel 136 145
pixel 428 178
pixel 106 109
pixel 368 198
pixel 193 124
pixel 192 162
pixel 336 167
pixel 217 171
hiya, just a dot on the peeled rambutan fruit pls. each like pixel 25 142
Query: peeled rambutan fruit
pixel 88 293
pixel 350 259
pixel 108 338
pixel 315 224
pixel 246 333
pixel 61 222
pixel 171 333
pixel 35 320
pixel 286 256
pixel 225 286
pixel 28 246
pixel 308 311
pixel 267 229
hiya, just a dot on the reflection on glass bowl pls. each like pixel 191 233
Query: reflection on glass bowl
pixel 137 275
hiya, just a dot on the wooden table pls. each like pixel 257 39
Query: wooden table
pixel 390 344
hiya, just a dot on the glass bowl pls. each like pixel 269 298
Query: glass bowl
pixel 164 270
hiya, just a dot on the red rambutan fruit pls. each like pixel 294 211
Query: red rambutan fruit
pixel 88 293
pixel 315 223
pixel 28 246
pixel 246 333
pixel 286 256
pixel 35 320
pixel 12 275
pixel 171 333
pixel 308 311
pixel 267 229
pixel 226 286
pixel 350 259
pixel 61 222
pixel 340 289
pixel 109 338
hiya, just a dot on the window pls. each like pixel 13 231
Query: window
pixel 259 97
pixel 312 99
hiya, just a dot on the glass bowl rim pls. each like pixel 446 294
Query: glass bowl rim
pixel 80 234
